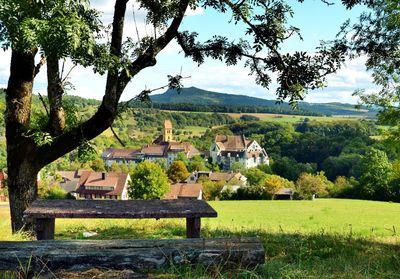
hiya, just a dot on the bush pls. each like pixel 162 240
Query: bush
pixel 57 193
pixel 312 184
pixel 148 181
pixel 273 183
pixel 211 190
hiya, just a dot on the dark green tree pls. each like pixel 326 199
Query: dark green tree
pixel 255 176
pixel 377 172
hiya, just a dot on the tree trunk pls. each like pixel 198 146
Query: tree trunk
pixel 55 92
pixel 21 150
pixel 22 184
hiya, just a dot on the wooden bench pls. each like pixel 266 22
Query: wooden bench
pixel 46 256
pixel 45 211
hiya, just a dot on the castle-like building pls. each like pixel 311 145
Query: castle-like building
pixel 162 147
pixel 226 150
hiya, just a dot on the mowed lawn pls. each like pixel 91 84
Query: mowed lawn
pixel 332 216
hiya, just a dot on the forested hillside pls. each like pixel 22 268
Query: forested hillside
pixel 193 98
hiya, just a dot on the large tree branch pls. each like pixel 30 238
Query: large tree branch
pixel 115 85
pixel 55 92
pixel 39 65
pixel 18 109
pixel 148 58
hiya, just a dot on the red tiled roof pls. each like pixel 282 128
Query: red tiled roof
pixel 183 190
pixel 231 143
pixel 89 178
pixel 120 153
pixel 154 149
pixel 69 175
pixel 218 176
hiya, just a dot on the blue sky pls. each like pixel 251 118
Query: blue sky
pixel 316 20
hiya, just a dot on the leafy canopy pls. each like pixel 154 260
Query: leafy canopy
pixel 148 181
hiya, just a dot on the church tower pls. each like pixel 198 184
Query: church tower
pixel 167 131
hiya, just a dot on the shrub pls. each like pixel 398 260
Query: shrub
pixel 312 184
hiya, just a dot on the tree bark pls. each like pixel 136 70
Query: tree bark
pixel 22 192
pixel 131 254
pixel 21 150
pixel 55 92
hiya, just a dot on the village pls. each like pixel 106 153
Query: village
pixel 226 152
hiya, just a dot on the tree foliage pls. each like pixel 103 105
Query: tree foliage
pixel 148 181
pixel 273 183
pixel 377 36
pixel 177 172
pixel 312 184
pixel 376 175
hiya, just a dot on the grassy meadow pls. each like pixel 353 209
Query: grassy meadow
pixel 325 238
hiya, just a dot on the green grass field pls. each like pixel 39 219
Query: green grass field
pixel 325 238
pixel 333 216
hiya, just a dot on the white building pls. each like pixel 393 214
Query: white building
pixel 226 150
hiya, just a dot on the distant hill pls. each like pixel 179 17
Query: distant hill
pixel 196 96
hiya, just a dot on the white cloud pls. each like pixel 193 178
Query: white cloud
pixel 5 57
pixel 195 12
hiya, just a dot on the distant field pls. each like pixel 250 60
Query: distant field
pixel 191 131
pixel 294 118
pixel 332 216
pixel 287 118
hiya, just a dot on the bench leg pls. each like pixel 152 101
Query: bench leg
pixel 45 229
pixel 192 227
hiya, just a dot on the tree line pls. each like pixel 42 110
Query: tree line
pixel 225 108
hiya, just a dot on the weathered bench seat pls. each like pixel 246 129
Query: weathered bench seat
pixel 46 211
pixel 130 254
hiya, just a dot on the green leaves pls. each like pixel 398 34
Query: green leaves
pixel 60 28
pixel 149 181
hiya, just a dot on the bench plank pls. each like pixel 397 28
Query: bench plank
pixel 136 209
pixel 130 254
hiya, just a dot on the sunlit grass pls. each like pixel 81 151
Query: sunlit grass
pixel 342 217
pixel 325 238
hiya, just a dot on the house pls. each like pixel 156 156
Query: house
pixel 184 191
pixel 162 147
pixel 120 155
pixel 228 177
pixel 70 180
pixel 101 185
pixel 227 150
pixel 284 194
